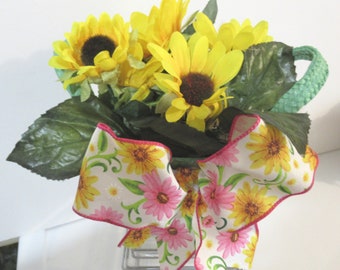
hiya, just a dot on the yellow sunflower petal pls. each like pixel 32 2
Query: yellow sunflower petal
pixel 104 61
pixel 227 67
pixel 204 25
pixel 243 40
pixel 167 84
pixel 165 58
pixel 199 55
pixel 217 51
pixel 75 79
pixel 173 114
pixel 180 52
pixel 201 112
pixel 196 117
pixel 180 104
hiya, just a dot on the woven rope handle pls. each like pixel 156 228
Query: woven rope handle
pixel 309 85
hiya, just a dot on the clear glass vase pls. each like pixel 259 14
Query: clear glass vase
pixel 146 258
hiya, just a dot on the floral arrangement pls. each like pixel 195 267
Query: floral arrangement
pixel 180 131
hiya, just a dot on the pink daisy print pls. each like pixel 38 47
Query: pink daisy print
pixel 226 156
pixel 162 196
pixel 176 235
pixel 198 264
pixel 232 243
pixel 208 221
pixel 217 196
pixel 107 214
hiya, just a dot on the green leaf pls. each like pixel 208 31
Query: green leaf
pixel 210 10
pixel 183 140
pixel 234 179
pixel 295 125
pixel 132 185
pixel 268 72
pixel 177 136
pixel 54 145
pixel 203 182
pixel 102 142
pixel 284 189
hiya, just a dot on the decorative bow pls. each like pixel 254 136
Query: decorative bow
pixel 209 213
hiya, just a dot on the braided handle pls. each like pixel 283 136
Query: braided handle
pixel 309 85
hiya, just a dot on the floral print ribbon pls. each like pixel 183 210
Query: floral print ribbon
pixel 209 214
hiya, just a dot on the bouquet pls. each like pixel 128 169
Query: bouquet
pixel 186 132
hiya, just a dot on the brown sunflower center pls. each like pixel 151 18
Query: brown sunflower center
pixel 196 87
pixel 252 209
pixel 273 148
pixel 140 155
pixel 137 234
pixel 189 201
pixel 162 198
pixel 95 45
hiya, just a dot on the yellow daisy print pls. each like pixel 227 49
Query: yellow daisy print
pixel 187 178
pixel 86 192
pixel 233 35
pixel 188 205
pixel 92 47
pixel 196 78
pixel 158 26
pixel 270 150
pixel 250 204
pixel 311 157
pixel 136 238
pixel 141 158
pixel 251 250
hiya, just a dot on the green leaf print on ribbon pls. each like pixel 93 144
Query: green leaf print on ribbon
pixel 234 179
pixel 133 187
pixel 167 255
pixel 216 263
pixel 277 181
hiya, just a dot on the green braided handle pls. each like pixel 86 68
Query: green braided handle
pixel 309 85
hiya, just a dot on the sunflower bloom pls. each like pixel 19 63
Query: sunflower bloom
pixel 187 178
pixel 196 78
pixel 251 204
pixel 189 204
pixel 161 22
pixel 137 237
pixel 92 47
pixel 233 35
pixel 311 157
pixel 251 250
pixel 86 192
pixel 141 158
pixel 270 150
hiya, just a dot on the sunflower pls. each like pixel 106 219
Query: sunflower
pixel 187 178
pixel 158 26
pixel 92 47
pixel 233 35
pixel 251 204
pixel 137 237
pixel 251 250
pixel 86 192
pixel 188 205
pixel 196 78
pixel 141 158
pixel 311 157
pixel 270 150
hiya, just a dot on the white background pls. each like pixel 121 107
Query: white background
pixel 301 234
